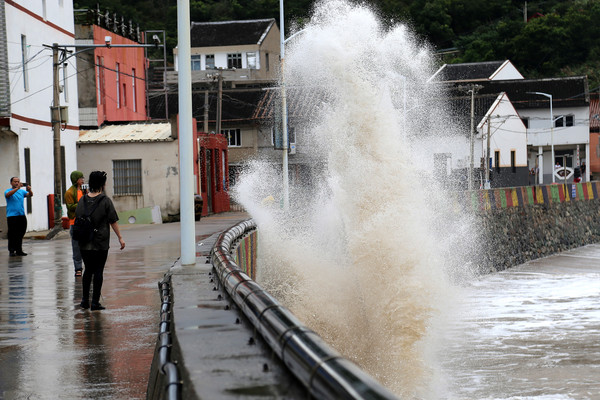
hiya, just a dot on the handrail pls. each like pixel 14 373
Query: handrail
pixel 322 370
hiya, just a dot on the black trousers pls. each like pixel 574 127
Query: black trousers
pixel 94 261
pixel 17 226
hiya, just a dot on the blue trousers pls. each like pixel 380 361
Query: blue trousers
pixel 77 260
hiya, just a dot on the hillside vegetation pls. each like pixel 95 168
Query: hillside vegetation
pixel 542 38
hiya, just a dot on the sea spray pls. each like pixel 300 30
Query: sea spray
pixel 359 257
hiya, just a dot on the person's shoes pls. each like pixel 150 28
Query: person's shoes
pixel 84 304
pixel 97 306
pixel 78 272
pixel 21 253
pixel 12 254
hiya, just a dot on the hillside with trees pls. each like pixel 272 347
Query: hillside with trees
pixel 542 38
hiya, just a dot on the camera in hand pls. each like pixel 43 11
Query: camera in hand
pixel 24 184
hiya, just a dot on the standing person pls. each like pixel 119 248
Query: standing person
pixel 72 196
pixel 95 252
pixel 15 215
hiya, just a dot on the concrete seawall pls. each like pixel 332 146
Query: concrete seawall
pixel 515 225
pixel 525 223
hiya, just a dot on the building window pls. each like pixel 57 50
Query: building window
pixel 24 62
pixel 133 92
pixel 234 137
pixel 196 62
pixel 564 120
pixel 279 141
pixel 442 164
pixel 118 86
pixel 267 66
pixel 210 61
pixel 513 165
pixel 497 160
pixel 124 91
pixel 127 176
pixel 525 122
pixel 251 60
pixel 234 60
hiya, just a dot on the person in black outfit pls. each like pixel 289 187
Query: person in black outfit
pixel 95 252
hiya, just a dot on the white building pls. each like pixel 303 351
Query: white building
pixel 545 116
pixel 26 135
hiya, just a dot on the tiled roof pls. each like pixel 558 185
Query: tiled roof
pixel 566 92
pixel 300 103
pixel 470 71
pixel 459 108
pixel 138 132
pixel 230 33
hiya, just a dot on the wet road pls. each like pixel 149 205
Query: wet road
pixel 530 332
pixel 51 349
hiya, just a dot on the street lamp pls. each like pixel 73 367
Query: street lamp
pixel 551 129
pixel 286 186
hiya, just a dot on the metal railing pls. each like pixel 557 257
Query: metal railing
pixel 164 382
pixel 322 370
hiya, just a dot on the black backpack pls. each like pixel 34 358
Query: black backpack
pixel 83 228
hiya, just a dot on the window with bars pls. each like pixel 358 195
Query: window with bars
pixel 127 176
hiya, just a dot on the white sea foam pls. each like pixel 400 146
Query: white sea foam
pixel 362 255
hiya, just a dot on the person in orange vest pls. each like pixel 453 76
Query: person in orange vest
pixel 72 196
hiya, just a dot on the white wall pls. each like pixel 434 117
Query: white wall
pixel 31 119
pixel 507 133
pixel 539 133
pixel 160 172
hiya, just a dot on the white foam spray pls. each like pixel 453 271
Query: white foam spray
pixel 359 257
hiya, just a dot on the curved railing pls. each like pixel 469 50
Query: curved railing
pixel 322 370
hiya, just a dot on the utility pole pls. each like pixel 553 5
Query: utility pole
pixel 206 111
pixel 219 101
pixel 487 161
pixel 472 89
pixel 56 121
pixel 56 115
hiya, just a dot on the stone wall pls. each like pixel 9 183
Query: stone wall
pixel 522 224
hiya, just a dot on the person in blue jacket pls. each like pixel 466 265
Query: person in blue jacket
pixel 15 215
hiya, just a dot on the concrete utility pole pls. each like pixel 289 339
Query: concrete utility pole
pixel 472 89
pixel 219 101
pixel 56 115
pixel 487 160
pixel 56 121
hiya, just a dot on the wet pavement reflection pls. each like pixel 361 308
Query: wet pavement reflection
pixel 51 349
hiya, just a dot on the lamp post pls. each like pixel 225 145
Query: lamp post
pixel 286 187
pixel 551 129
